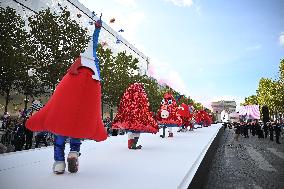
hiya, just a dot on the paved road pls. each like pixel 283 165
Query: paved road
pixel 249 163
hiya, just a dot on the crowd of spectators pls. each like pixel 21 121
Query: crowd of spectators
pixel 255 128
pixel 14 136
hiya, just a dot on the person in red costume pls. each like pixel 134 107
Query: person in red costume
pixel 168 116
pixel 191 116
pixel 74 109
pixel 186 114
pixel 203 118
pixel 134 115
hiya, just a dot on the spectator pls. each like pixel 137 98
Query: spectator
pixel 19 137
pixel 246 130
pixel 259 131
pixel 277 129
pixel 265 129
pixel 29 137
pixel 237 132
pixel 3 148
pixel 270 128
pixel 225 125
pixel 41 137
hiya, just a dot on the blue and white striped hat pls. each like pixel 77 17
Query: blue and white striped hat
pixel 36 105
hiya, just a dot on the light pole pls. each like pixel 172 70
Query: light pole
pixel 31 72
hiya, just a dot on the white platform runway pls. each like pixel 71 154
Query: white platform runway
pixel 162 163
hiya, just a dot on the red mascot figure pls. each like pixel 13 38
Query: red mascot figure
pixel 186 114
pixel 74 109
pixel 203 118
pixel 134 115
pixel 168 116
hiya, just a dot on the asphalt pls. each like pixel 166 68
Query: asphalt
pixel 248 163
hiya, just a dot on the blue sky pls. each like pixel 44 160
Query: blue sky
pixel 209 50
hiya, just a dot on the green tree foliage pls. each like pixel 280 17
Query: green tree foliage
pixel 279 97
pixel 153 91
pixel 15 47
pixel 281 71
pixel 59 41
pixel 270 92
pixel 264 92
pixel 197 106
pixel 251 100
pixel 117 73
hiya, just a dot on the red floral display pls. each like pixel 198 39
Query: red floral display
pixel 134 113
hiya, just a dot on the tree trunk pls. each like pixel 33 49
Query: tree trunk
pixel 26 102
pixel 7 100
pixel 111 114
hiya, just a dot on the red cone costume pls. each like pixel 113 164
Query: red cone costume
pixel 134 112
pixel 74 109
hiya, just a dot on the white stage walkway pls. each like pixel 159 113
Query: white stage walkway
pixel 162 163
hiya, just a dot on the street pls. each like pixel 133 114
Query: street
pixel 249 163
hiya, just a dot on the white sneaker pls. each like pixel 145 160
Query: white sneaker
pixel 59 167
pixel 73 162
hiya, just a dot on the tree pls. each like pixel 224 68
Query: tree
pixel 106 65
pixel 270 92
pixel 117 73
pixel 251 100
pixel 280 88
pixel 281 71
pixel 197 106
pixel 59 41
pixel 154 94
pixel 15 47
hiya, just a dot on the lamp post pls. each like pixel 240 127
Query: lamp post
pixel 31 72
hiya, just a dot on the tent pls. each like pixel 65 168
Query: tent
pixel 250 111
pixel 234 117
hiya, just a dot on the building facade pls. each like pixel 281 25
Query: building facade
pixel 223 108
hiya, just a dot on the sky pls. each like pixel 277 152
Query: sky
pixel 207 49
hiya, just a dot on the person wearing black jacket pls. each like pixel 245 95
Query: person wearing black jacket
pixel 29 137
pixel 270 128
pixel 225 125
pixel 246 130
pixel 265 129
pixel 237 131
pixel 253 128
pixel 259 130
pixel 41 137
pixel 277 129
pixel 19 137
